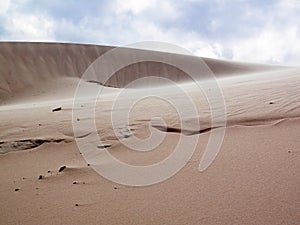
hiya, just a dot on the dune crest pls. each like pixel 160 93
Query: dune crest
pixel 47 177
pixel 26 66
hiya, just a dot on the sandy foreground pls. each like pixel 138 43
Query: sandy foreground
pixel 254 178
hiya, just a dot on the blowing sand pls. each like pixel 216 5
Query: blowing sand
pixel 254 178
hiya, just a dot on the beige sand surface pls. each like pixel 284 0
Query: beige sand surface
pixel 253 180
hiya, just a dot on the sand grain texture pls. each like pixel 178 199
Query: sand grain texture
pixel 253 180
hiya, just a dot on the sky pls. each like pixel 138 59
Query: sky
pixel 266 31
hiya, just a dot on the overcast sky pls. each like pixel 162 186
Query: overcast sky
pixel 255 30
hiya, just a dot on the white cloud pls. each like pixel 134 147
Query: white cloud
pixel 275 39
pixel 4 5
pixel 29 27
pixel 147 9
pixel 134 6
pixel 214 50
pixel 271 45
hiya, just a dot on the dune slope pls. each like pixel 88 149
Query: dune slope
pixel 27 66
pixel 45 178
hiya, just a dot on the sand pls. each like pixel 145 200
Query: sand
pixel 254 178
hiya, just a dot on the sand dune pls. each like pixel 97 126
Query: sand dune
pixel 253 179
pixel 46 66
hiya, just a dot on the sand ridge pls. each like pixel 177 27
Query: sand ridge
pixel 44 178
pixel 43 66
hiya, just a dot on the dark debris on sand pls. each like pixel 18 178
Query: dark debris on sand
pixel 62 169
pixel 56 109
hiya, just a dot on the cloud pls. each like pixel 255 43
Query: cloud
pixel 4 5
pixel 17 25
pixel 133 6
pixel 30 27
pixel 264 31
pixel 270 45
pixel 153 10
pixel 275 40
